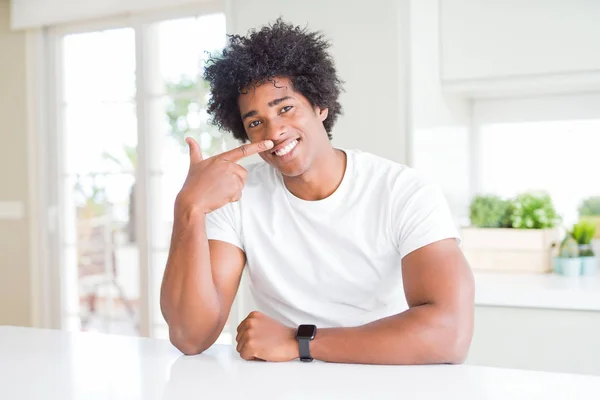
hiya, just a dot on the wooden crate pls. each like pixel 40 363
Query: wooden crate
pixel 510 250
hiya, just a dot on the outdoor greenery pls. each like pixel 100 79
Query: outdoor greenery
pixel 126 161
pixel 90 197
pixel 186 116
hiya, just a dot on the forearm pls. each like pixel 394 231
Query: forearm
pixel 420 335
pixel 189 298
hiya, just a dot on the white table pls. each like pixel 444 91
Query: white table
pixel 46 364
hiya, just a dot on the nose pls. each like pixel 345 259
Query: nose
pixel 274 130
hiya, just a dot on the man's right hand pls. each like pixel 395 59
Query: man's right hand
pixel 213 182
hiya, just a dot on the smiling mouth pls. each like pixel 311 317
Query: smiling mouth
pixel 285 150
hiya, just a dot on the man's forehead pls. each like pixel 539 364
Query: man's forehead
pixel 269 91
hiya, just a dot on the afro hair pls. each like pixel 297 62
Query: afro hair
pixel 277 50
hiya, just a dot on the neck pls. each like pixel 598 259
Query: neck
pixel 323 177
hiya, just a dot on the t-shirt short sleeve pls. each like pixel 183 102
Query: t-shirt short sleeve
pixel 422 217
pixel 224 224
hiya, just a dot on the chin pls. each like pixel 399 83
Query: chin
pixel 290 170
pixel 291 173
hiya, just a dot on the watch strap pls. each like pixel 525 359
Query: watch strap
pixel 304 347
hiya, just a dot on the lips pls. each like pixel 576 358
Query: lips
pixel 284 148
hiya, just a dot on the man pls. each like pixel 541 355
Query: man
pixel 351 257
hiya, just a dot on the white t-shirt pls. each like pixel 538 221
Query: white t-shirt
pixel 334 262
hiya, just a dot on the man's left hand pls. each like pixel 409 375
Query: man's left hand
pixel 260 337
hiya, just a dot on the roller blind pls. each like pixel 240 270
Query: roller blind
pixel 37 13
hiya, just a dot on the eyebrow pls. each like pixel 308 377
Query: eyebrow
pixel 270 104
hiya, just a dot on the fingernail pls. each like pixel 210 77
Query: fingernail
pixel 268 144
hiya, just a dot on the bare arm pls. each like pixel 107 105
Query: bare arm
pixel 199 286
pixel 437 328
pixel 201 276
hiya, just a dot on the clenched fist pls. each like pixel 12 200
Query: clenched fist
pixel 260 337
pixel 218 180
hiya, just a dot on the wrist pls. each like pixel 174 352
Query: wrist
pixel 305 334
pixel 188 210
pixel 294 350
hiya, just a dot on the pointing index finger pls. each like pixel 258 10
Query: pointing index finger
pixel 247 150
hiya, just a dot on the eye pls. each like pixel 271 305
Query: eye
pixel 286 109
pixel 253 124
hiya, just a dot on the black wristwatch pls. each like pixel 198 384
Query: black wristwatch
pixel 304 335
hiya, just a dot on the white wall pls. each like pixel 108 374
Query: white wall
pixel 491 38
pixel 15 285
pixel 367 46
pixel 440 123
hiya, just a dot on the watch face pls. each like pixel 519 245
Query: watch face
pixel 307 331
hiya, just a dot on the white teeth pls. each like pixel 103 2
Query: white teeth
pixel 286 149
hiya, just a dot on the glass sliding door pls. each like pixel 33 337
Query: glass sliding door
pixel 100 256
pixel 128 98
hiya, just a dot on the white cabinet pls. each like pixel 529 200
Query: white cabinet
pixel 534 43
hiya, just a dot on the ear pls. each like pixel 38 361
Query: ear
pixel 323 113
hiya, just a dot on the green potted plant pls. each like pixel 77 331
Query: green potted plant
pixel 583 232
pixel 568 262
pixel 532 211
pixel 516 234
pixel 489 211
pixel 589 209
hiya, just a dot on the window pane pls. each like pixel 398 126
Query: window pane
pixel 100 249
pixel 101 277
pixel 179 122
pixel 173 119
pixel 176 109
pixel 179 113
pixel 100 253
pixel 99 66
pixel 100 137
pixel 183 44
pixel 556 156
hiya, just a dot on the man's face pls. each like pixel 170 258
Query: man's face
pixel 276 112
